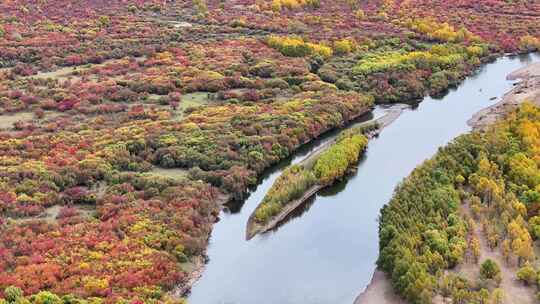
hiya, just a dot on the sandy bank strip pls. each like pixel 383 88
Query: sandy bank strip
pixel 532 70
pixel 379 291
pixel 526 90
pixel 253 228
pixel 387 119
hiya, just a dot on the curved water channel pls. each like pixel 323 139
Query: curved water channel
pixel 326 251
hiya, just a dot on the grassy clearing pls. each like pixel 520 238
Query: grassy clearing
pixel 195 99
pixel 62 73
pixel 74 71
pixel 192 100
pixel 174 173
pixel 7 121
pixel 50 214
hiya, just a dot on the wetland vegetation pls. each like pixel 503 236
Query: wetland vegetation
pixel 135 119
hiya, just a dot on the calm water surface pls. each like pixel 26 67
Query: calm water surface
pixel 326 252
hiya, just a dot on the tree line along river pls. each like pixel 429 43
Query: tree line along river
pixel 326 250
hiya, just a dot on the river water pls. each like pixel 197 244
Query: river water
pixel 326 252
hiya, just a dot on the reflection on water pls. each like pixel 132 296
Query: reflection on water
pixel 340 185
pixel 527 58
pixel 298 212
pixel 326 252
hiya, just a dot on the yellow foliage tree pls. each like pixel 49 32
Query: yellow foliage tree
pixel 529 43
pixel 475 248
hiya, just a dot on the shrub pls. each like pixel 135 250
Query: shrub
pixel 441 31
pixel 104 21
pixel 278 5
pixel 527 274
pixel 490 270
pixel 360 15
pixel 344 46
pixel 12 294
pixel 45 297
pixel 438 81
pixel 263 69
pixel 440 56
pixel 297 47
pixel 529 43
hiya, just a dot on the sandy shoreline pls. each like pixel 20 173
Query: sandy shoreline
pixel 528 89
pixel 379 291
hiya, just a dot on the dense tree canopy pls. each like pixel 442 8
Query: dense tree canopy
pixel 424 230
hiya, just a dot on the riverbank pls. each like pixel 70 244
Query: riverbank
pixel 198 265
pixel 379 291
pixel 528 89
pixel 253 227
pixel 196 271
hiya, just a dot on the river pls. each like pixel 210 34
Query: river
pixel 326 252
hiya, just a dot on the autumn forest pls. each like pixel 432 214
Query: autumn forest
pixel 127 126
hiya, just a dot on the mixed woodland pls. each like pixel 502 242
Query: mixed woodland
pixel 125 124
pixel 478 194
